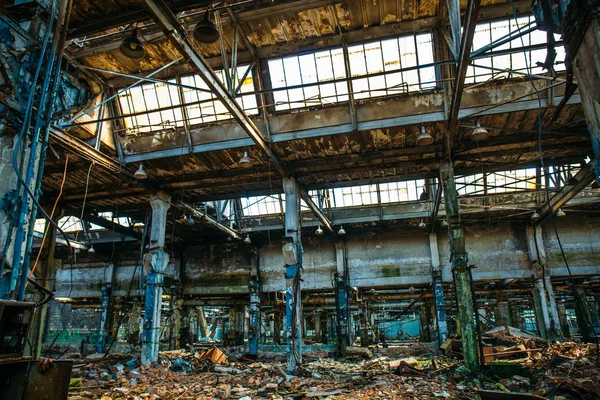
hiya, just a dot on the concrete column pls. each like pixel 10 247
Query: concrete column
pixel 155 262
pixel 134 323
pixel 460 268
pixel 277 327
pixel 292 256
pixel 202 325
pixel 254 312
pixel 317 326
pixel 564 322
pixel 438 290
pixel 544 300
pixel 193 329
pixel 502 313
pixel 582 312
pixel 341 298
pixel 104 311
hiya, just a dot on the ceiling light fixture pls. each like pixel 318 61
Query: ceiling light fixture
pixel 422 225
pixel 479 133
pixel 444 223
pixel 319 231
pixel 535 216
pixel 140 173
pixel 91 249
pixel 245 161
pixel 424 138
pixel 206 31
pixel 132 47
pixel 342 231
pixel 561 213
pixel 247 240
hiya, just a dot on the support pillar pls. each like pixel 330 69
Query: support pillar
pixel 255 317
pixel 502 314
pixel 317 326
pixel 292 256
pixel 104 310
pixel 134 323
pixel 438 290
pixel 460 269
pixel 202 325
pixel 155 262
pixel 564 321
pixel 277 327
pixel 582 313
pixel 341 298
pixel 544 299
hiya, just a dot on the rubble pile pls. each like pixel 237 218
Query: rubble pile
pixel 560 371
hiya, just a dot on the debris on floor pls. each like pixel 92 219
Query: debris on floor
pixel 559 371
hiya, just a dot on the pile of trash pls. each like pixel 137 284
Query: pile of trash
pixel 530 366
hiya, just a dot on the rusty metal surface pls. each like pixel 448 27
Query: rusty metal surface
pixel 23 380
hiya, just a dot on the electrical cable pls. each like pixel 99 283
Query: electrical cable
pixel 62 183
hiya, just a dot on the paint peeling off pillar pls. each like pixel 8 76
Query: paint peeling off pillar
pixel 292 259
pixel 341 298
pixel 460 268
pixel 438 290
pixel 544 300
pixel 254 323
pixel 202 325
pixel 103 318
pixel 582 313
pixel 318 326
pixel 155 262
pixel 502 313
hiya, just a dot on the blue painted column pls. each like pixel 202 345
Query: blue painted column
pixel 254 325
pixel 438 290
pixel 292 256
pixel 100 345
pixel 155 262
pixel 341 299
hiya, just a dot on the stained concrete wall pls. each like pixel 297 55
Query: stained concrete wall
pixel 375 259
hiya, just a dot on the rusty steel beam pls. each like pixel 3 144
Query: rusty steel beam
pixel 584 177
pixel 176 34
pixel 464 59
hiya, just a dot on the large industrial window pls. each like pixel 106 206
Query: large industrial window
pixel 396 192
pixel 389 55
pixel 322 66
pixel 510 181
pixel 510 56
pixel 208 108
pixel 262 205
pixel 355 196
pixel 145 99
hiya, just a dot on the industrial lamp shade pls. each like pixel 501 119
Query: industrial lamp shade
pixel 91 249
pixel 560 213
pixel 140 173
pixel 535 216
pixel 444 223
pixel 206 31
pixel 479 133
pixel 132 47
pixel 247 240
pixel 319 231
pixel 422 225
pixel 424 138
pixel 245 161
pixel 342 231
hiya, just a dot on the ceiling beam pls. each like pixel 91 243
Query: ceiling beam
pixel 105 223
pixel 585 176
pixel 86 151
pixel 176 34
pixel 153 33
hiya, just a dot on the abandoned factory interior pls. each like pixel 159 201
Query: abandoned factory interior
pixel 299 199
